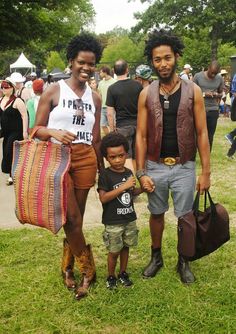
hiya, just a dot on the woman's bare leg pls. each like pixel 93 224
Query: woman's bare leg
pixel 73 227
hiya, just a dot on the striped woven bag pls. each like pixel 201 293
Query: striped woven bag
pixel 39 171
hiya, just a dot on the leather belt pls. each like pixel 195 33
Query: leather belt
pixel 170 161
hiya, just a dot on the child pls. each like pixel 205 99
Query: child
pixel 116 187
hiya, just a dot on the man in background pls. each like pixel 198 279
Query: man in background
pixel 29 83
pixel 32 104
pixel 186 73
pixel 212 85
pixel 122 105
pixel 107 80
pixel 143 74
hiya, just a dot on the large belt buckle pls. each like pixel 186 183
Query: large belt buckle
pixel 169 161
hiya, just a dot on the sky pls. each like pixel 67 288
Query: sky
pixel 113 13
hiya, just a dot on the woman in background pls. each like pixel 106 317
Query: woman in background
pixel 14 123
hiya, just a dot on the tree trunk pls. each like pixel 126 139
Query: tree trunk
pixel 214 43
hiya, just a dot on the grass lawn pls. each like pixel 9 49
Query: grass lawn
pixel 34 300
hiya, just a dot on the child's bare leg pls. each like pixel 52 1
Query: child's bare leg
pixel 111 262
pixel 124 256
pixel 123 277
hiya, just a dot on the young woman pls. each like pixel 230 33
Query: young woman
pixel 70 113
pixel 14 123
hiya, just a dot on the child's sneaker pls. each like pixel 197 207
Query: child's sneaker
pixel 9 181
pixel 111 282
pixel 229 138
pixel 123 278
pixel 230 157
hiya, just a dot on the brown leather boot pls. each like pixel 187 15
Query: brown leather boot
pixel 87 268
pixel 67 266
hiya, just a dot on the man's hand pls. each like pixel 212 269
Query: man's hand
pixel 203 183
pixel 147 184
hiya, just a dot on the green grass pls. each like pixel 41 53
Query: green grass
pixel 34 300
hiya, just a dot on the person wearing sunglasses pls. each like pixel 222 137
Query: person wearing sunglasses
pixel 69 112
pixel 14 123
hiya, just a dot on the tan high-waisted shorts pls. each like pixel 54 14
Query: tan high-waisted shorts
pixel 83 167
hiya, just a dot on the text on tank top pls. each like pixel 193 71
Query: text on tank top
pixel 169 145
pixel 74 114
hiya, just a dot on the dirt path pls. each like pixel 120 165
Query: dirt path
pixel 93 212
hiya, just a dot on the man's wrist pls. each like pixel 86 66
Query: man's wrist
pixel 140 173
pixel 206 173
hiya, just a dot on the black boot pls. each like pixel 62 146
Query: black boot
pixel 184 271
pixel 154 265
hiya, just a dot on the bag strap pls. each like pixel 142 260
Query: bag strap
pixel 212 204
pixel 35 129
pixel 196 203
pixel 207 196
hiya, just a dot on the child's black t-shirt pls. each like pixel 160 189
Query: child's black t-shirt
pixel 121 209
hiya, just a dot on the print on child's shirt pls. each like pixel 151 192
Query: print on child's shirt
pixel 124 199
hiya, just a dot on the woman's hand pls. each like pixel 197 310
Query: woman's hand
pixel 64 136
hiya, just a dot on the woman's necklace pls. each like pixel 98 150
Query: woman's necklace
pixel 167 94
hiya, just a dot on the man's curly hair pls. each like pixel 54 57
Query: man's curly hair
pixel 163 37
pixel 84 42
pixel 113 139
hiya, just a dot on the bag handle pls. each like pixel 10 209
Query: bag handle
pixel 212 204
pixel 207 195
pixel 35 129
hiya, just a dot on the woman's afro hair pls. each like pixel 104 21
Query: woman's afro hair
pixel 84 42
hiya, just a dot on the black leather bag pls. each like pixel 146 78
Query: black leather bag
pixel 201 233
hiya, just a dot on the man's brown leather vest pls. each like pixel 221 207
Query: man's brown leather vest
pixel 185 122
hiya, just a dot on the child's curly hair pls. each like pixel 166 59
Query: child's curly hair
pixel 113 139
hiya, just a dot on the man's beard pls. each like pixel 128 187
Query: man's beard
pixel 169 78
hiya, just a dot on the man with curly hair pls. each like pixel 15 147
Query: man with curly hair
pixel 69 113
pixel 171 127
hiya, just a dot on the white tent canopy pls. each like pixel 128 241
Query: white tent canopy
pixel 22 63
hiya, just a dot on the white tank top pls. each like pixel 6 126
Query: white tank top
pixel 74 114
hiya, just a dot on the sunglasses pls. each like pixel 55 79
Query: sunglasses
pixel 79 108
pixel 5 85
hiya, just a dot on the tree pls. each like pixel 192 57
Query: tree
pixel 37 27
pixel 225 52
pixel 43 21
pixel 106 38
pixel 197 51
pixel 190 16
pixel 8 57
pixel 123 47
pixel 54 60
